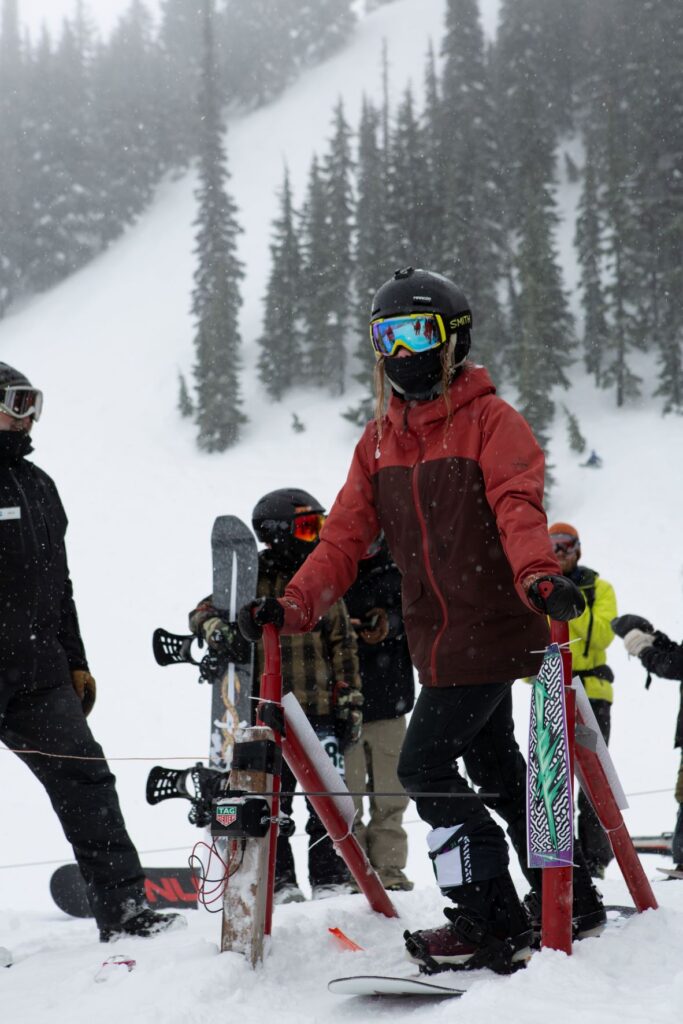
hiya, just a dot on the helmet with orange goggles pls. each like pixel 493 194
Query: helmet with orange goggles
pixel 286 515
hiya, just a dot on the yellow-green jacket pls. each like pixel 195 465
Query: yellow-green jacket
pixel 593 634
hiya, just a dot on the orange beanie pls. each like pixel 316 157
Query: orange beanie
pixel 566 528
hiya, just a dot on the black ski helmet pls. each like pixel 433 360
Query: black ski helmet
pixel 274 513
pixel 423 291
pixel 10 376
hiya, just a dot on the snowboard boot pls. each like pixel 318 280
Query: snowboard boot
pixel 488 928
pixel 394 880
pixel 325 892
pixel 143 923
pixel 287 892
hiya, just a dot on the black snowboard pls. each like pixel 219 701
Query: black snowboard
pixel 164 887
pixel 235 572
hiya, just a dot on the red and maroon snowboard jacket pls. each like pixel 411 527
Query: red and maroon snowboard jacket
pixel 460 501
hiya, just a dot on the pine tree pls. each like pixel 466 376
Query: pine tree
pixel 281 343
pixel 316 256
pixel 623 332
pixel 12 194
pixel 338 170
pixel 185 406
pixel 68 214
pixel 539 349
pixel 216 296
pixel 371 258
pixel 408 187
pixel 127 110
pixel 588 241
pixel 327 257
pixel 180 46
pixel 657 199
pixel 470 161
pixel 577 442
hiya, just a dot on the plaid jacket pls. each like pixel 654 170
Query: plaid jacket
pixel 311 662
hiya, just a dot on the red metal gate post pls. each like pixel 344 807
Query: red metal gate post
pixel 308 778
pixel 335 824
pixel 558 883
pixel 271 692
pixel 612 821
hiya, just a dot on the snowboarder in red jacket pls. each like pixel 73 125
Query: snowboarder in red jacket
pixel 454 477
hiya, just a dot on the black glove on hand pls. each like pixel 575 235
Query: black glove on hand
pixel 225 639
pixel 347 707
pixel 558 597
pixel 623 624
pixel 266 611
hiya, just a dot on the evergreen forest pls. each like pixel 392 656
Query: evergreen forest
pixel 463 181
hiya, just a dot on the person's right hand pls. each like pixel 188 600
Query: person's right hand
pixel 557 596
pixel 636 641
pixel 252 617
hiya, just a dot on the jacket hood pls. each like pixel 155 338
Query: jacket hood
pixel 471 383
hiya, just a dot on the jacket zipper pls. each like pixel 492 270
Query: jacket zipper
pixel 23 500
pixel 427 562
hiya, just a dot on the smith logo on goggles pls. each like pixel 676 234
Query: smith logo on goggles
pixel 20 401
pixel 417 332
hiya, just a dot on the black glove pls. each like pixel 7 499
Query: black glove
pixel 557 596
pixel 252 617
pixel 347 707
pixel 223 637
pixel 623 624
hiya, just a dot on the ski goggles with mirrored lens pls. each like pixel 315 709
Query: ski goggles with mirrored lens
pixel 20 401
pixel 417 332
pixel 564 543
pixel 307 527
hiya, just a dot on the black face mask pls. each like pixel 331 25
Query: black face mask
pixel 14 445
pixel 416 377
pixel 290 553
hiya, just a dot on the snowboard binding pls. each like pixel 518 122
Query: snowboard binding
pixel 176 649
pixel 200 785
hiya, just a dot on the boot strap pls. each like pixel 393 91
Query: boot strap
pixel 491 952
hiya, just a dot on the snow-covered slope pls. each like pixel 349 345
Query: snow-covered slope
pixel 106 346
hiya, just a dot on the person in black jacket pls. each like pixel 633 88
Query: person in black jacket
pixel 46 689
pixel 386 671
pixel 661 657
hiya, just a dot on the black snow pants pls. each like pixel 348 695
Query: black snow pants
pixel 82 793
pixel 473 723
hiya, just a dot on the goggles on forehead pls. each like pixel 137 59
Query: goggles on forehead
pixel 21 400
pixel 417 332
pixel 307 527
pixel 564 543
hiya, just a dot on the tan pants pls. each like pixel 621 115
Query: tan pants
pixel 370 767
pixel 679 783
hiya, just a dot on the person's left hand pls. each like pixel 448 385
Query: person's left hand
pixel 347 707
pixel 85 687
pixel 375 626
